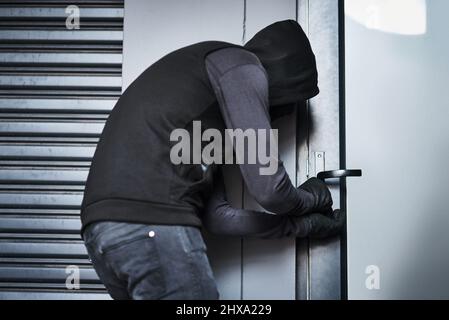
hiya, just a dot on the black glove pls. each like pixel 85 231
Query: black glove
pixel 322 197
pixel 317 225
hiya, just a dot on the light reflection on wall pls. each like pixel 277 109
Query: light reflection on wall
pixel 406 17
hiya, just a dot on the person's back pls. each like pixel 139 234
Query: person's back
pixel 132 178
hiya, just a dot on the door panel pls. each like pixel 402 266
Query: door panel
pixel 324 136
pixel 319 261
pixel 396 130
pixel 155 28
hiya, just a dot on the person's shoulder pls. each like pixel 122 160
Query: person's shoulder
pixel 226 59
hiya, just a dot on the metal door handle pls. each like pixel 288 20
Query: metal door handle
pixel 343 173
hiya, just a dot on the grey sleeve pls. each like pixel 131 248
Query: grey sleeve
pixel 241 86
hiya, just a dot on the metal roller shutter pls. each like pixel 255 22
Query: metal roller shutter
pixel 57 87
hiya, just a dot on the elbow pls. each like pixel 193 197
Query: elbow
pixel 216 221
pixel 210 224
pixel 213 227
pixel 277 196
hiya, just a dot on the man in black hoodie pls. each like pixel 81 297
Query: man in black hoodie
pixel 141 213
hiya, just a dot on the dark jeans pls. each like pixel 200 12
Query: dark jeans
pixel 137 261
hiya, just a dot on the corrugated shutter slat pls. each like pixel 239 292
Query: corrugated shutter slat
pixel 57 87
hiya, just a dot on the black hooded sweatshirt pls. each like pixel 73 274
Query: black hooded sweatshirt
pixel 132 178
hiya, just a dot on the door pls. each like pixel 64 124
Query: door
pixel 397 111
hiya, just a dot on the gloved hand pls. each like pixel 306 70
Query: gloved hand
pixel 322 199
pixel 316 225
pixel 323 226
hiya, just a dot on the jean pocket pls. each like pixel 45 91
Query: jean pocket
pixel 126 235
pixel 136 261
pixel 105 249
pixel 96 232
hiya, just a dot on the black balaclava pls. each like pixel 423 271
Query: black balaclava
pixel 286 54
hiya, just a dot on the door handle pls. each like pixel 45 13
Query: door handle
pixel 343 173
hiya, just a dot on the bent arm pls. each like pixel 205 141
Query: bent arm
pixel 241 86
pixel 221 218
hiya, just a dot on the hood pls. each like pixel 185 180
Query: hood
pixel 286 54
